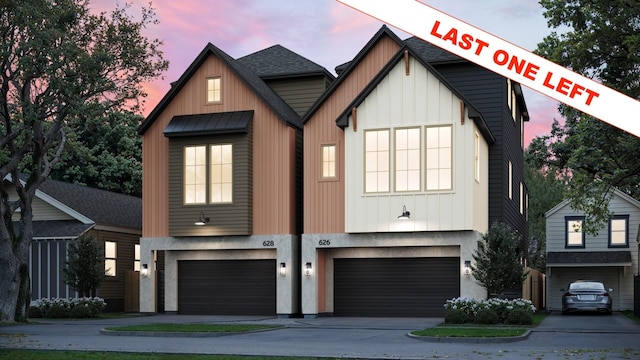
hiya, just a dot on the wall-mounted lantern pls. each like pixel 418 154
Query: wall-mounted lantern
pixel 405 214
pixel 467 267
pixel 283 269
pixel 202 220
pixel 144 272
pixel 307 269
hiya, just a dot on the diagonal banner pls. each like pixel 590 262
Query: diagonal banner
pixel 506 59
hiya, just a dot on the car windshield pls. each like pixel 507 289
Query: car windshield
pixel 586 285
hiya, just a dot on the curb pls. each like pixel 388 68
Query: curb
pixel 471 340
pixel 178 334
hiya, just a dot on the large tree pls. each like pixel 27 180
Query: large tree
pixel 599 39
pixel 58 62
pixel 103 152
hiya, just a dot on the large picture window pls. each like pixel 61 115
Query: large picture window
pixel 376 161
pixel 218 183
pixel 407 159
pixel 574 236
pixel 439 158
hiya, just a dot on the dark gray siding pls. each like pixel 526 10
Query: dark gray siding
pixel 488 92
pixel 299 92
pixel 225 219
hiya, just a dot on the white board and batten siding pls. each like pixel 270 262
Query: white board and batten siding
pixel 620 278
pixel 416 100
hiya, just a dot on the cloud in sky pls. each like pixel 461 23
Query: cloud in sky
pixel 324 31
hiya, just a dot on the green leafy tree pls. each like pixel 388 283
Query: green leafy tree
pixel 104 153
pixel 84 268
pixel 498 260
pixel 601 40
pixel 546 190
pixel 58 63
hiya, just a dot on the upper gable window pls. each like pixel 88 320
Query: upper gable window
pixel 439 158
pixel 329 161
pixel 213 90
pixel 619 231
pixel 574 236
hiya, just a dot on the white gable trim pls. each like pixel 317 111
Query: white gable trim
pixel 616 192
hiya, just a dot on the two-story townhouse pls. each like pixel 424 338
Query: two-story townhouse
pixel 397 183
pixel 222 169
pixel 611 256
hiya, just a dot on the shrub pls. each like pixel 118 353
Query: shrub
pixel 501 307
pixel 456 316
pixel 35 312
pixel 486 316
pixel 519 317
pixel 57 308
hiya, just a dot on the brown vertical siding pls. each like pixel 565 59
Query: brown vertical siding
pixel 324 201
pixel 272 172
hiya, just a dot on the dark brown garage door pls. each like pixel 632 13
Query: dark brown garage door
pixel 395 286
pixel 227 287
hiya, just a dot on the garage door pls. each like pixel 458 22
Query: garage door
pixel 395 286
pixel 227 287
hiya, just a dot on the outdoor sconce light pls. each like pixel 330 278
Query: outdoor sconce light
pixel 467 267
pixel 144 272
pixel 283 269
pixel 307 269
pixel 405 214
pixel 203 220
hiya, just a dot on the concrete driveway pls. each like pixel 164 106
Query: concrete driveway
pixel 588 323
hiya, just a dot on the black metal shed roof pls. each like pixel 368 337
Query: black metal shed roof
pixel 209 124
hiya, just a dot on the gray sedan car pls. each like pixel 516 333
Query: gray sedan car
pixel 586 295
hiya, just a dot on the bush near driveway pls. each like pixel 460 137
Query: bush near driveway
pixel 76 308
pixel 481 311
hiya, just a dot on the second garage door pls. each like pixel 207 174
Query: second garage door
pixel 227 287
pixel 395 286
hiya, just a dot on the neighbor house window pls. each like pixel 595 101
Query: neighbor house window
pixel 376 161
pixel 213 90
pixel 476 158
pixel 439 158
pixel 521 198
pixel 195 174
pixel 573 231
pixel 136 257
pixel 407 155
pixel 221 174
pixel 510 180
pixel 619 231
pixel 110 255
pixel 329 161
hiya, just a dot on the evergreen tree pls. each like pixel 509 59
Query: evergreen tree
pixel 498 260
pixel 84 268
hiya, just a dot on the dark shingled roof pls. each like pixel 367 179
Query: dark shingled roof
pixel 574 258
pixel 431 53
pixel 253 81
pixel 101 206
pixel 59 229
pixel 209 124
pixel 278 61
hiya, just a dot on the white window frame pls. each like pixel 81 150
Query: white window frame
pixel 110 258
pixel 510 180
pixel 439 158
pixel 521 198
pixel 574 232
pixel 476 157
pixel 619 228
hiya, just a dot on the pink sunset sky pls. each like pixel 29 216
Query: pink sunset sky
pixel 324 31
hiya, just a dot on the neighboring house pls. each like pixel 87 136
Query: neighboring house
pixel 63 212
pixel 610 257
pixel 223 149
pixel 406 129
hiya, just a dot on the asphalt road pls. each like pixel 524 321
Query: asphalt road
pixel 558 337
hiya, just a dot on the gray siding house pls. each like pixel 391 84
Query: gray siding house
pixel 610 256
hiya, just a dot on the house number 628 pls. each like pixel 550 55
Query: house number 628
pixel 268 243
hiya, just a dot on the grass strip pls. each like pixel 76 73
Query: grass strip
pixel 172 327
pixel 480 332
pixel 6 354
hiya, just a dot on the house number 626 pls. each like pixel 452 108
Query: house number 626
pixel 324 242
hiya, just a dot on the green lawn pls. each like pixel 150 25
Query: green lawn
pixel 475 330
pixel 73 355
pixel 194 327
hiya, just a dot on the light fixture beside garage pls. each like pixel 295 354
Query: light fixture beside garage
pixel 202 220
pixel 283 269
pixel 467 267
pixel 405 214
pixel 144 272
pixel 307 269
